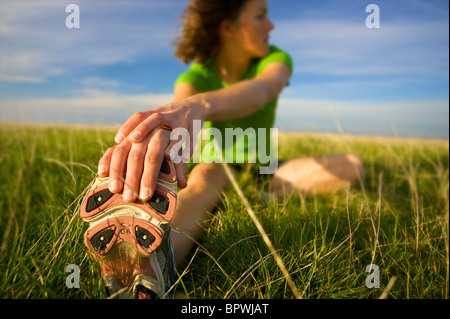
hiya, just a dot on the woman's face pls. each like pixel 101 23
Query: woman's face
pixel 252 28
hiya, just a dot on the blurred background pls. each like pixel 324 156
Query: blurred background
pixel 388 81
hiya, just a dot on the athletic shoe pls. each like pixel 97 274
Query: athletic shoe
pixel 132 240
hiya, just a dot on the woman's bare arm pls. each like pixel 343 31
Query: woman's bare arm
pixel 143 144
pixel 233 102
pixel 246 97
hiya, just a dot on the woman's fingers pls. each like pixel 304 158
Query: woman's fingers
pixel 152 162
pixel 130 125
pixel 140 150
pixel 181 171
pixel 135 166
pixel 152 122
pixel 105 162
pixel 117 166
pixel 142 162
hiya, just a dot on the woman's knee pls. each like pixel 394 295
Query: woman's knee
pixel 208 175
pixel 319 174
pixel 356 165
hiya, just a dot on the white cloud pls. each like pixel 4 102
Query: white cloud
pixel 334 47
pixel 37 45
pixel 420 118
pixel 95 81
pixel 343 56
pixel 94 99
pixel 88 106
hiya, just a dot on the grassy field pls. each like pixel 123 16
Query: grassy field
pixel 398 220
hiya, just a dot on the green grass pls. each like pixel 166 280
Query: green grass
pixel 398 220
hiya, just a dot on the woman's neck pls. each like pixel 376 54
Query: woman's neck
pixel 231 64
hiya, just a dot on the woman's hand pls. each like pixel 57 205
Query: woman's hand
pixel 141 162
pixel 141 152
pixel 179 114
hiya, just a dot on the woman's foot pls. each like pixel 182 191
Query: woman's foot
pixel 132 240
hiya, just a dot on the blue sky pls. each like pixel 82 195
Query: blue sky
pixel 386 81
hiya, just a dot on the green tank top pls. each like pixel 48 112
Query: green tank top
pixel 205 78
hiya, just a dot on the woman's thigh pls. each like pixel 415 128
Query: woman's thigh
pixel 202 194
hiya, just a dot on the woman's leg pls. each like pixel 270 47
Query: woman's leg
pixel 318 175
pixel 201 196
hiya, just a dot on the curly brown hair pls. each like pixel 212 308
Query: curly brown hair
pixel 199 36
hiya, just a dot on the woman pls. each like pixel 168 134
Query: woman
pixel 235 82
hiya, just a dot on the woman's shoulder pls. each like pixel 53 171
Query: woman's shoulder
pixel 200 75
pixel 206 68
pixel 276 55
pixel 275 49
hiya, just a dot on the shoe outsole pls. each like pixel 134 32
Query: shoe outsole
pixel 145 225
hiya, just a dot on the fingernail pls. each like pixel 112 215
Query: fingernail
pixel 145 193
pixel 128 196
pixel 119 138
pixel 101 170
pixel 136 135
pixel 114 186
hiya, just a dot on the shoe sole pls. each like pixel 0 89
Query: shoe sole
pixel 143 224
